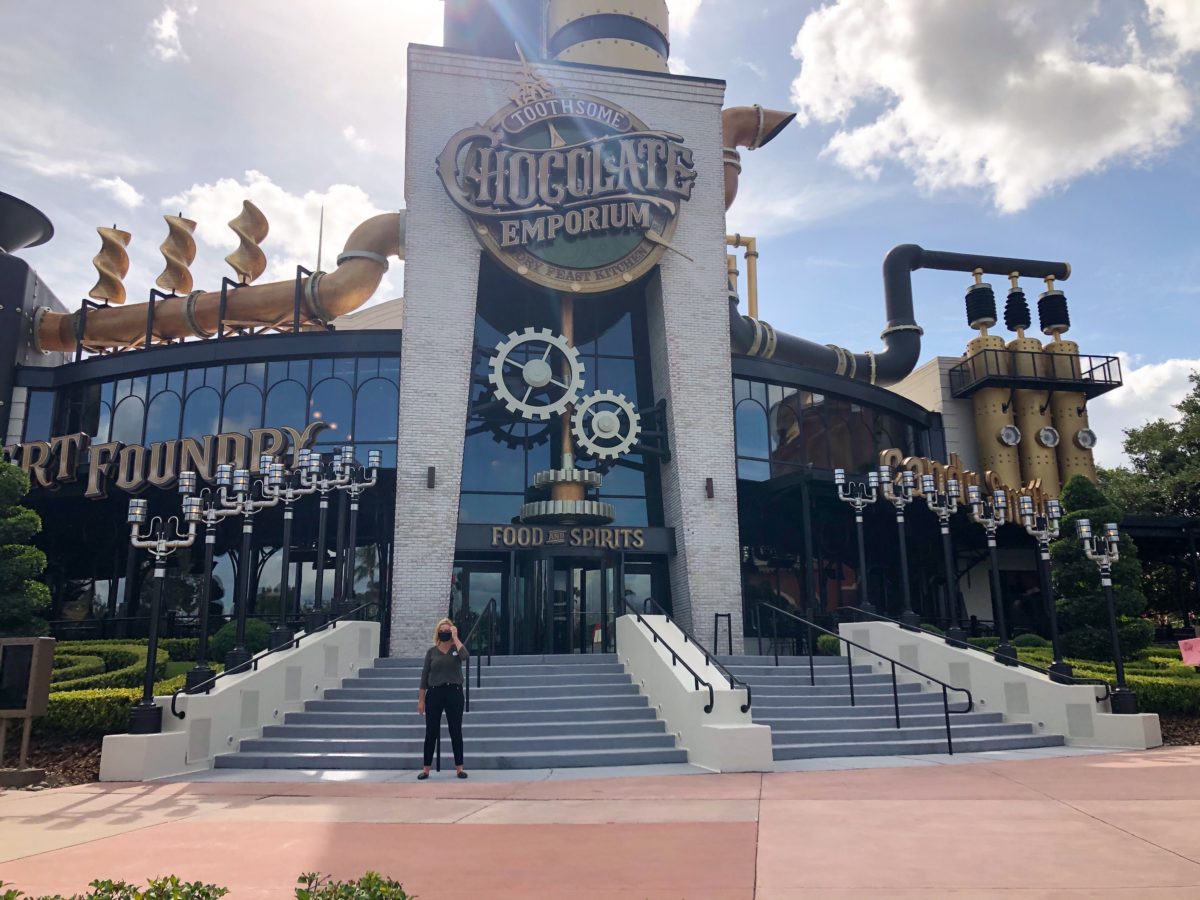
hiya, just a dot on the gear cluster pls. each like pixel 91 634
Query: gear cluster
pixel 537 374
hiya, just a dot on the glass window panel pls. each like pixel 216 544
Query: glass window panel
pixel 234 374
pixel 162 418
pixel 490 508
pixel 618 338
pixel 202 413
pixel 750 422
pixel 38 411
pixel 213 377
pixel 287 404
pixel 537 457
pixel 106 392
pixel 102 423
pixel 124 388
pixel 388 451
pixel 158 382
pixel 618 375
pixel 139 386
pixel 255 373
pixel 753 469
pixel 837 427
pixel 376 411
pixel 243 409
pixel 741 390
pixel 128 421
pixel 368 368
pixel 758 391
pixel 298 370
pixel 321 369
pixel 276 372
pixel 332 403
pixel 175 382
pixel 624 480
pixel 343 367
pixel 774 396
pixel 630 511
pixel 389 368
pixel 491 466
pixel 785 434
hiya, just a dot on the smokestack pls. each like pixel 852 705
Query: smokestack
pixel 21 225
pixel 625 34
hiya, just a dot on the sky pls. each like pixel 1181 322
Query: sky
pixel 1051 129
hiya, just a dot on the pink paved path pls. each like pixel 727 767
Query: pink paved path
pixel 1121 825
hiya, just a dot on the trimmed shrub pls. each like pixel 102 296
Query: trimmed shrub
pixel 258 637
pixel 1030 640
pixel 68 666
pixel 95 712
pixel 828 645
pixel 125 676
pixel 180 649
pixel 1095 643
pixel 932 628
pixel 987 643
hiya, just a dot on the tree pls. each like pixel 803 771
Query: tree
pixel 1082 609
pixel 23 600
pixel 1165 457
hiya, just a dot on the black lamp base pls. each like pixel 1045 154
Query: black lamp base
pixel 237 659
pixel 281 636
pixel 910 619
pixel 1124 702
pixel 956 637
pixel 1061 672
pixel 1006 653
pixel 315 620
pixel 145 718
pixel 197 676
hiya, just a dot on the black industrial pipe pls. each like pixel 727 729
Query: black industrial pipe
pixel 902 335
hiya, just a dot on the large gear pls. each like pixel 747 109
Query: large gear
pixel 535 377
pixel 605 424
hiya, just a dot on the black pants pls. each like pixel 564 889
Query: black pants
pixel 448 697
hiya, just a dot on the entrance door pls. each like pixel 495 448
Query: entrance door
pixel 566 604
pixel 475 584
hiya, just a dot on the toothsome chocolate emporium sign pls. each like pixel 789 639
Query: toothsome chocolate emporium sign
pixel 569 191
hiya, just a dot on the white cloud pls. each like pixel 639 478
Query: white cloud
pixel 1002 96
pixel 678 66
pixel 772 203
pixel 356 140
pixel 1150 392
pixel 682 14
pixel 164 36
pixel 119 189
pixel 294 224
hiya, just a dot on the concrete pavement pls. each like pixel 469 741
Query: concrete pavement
pixel 1094 825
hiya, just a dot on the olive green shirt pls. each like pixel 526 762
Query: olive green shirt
pixel 442 668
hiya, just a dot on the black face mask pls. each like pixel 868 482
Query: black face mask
pixel 443 635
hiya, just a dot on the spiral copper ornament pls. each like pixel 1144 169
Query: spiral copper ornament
pixel 112 262
pixel 251 227
pixel 179 250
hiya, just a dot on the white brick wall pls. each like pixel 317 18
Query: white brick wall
pixel 930 387
pixel 688 326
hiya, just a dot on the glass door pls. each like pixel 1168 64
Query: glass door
pixel 475 584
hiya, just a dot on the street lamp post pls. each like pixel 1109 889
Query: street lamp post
pixel 359 480
pixel 859 496
pixel 992 514
pixel 325 482
pixel 1102 550
pixel 146 716
pixel 1043 526
pixel 900 496
pixel 944 504
pixel 287 487
pixel 212 516
pixel 243 502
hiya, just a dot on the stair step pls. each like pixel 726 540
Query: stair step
pixel 472 727
pixel 552 760
pixel 374 714
pixel 554 663
pixel 837 735
pixel 883 720
pixel 476 745
pixel 910 748
pixel 487 704
pixel 499 676
pixel 487 692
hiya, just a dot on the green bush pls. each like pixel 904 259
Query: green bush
pixel 126 676
pixel 96 712
pixel 828 645
pixel 180 649
pixel 169 888
pixel 258 638
pixel 371 886
pixel 68 666
pixel 932 628
pixel 1095 642
pixel 1030 640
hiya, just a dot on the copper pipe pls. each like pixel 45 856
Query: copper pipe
pixel 751 246
pixel 325 297
pixel 750 127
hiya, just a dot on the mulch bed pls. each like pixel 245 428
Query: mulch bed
pixel 66 760
pixel 1180 730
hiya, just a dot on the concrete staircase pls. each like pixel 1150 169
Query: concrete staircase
pixel 810 721
pixel 532 712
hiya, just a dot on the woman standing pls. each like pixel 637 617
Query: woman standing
pixel 442 689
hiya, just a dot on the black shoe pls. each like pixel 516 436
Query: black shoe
pixel 422 776
pixel 462 775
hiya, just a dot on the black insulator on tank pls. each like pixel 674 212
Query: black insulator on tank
pixel 981 306
pixel 1016 311
pixel 1052 312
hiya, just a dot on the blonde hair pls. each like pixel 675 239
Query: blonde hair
pixel 438 627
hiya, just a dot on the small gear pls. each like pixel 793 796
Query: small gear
pixel 530 387
pixel 606 424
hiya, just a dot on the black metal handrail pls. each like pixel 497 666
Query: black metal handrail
pixel 252 664
pixel 675 657
pixel 964 645
pixel 490 611
pixel 709 657
pixel 946 687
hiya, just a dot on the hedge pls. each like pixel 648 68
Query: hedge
pixel 1162 683
pixel 68 666
pixel 125 668
pixel 828 645
pixel 1030 640
pixel 179 649
pixel 96 712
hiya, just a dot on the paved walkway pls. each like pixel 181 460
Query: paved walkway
pixel 1095 826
